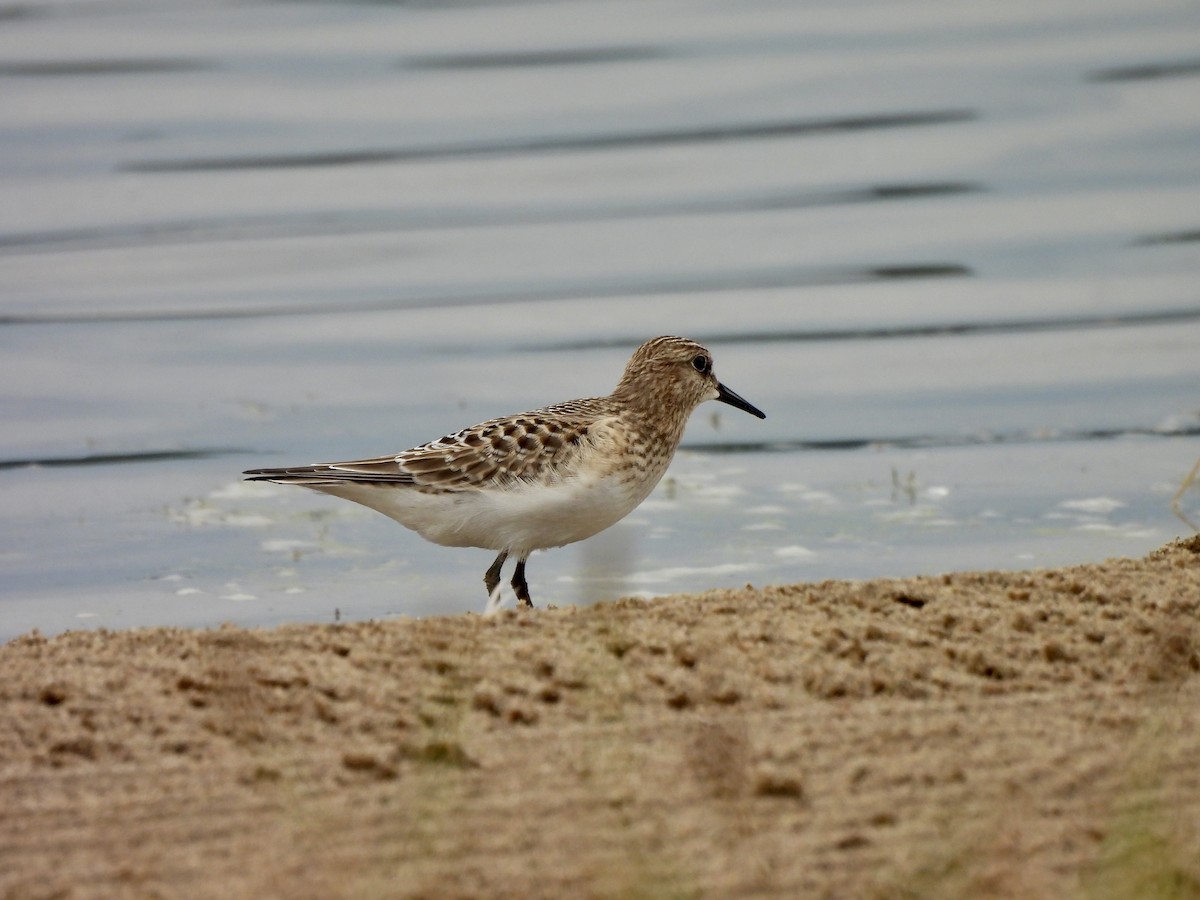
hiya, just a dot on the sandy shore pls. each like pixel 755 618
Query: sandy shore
pixel 1029 734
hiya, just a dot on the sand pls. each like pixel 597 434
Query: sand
pixel 1030 734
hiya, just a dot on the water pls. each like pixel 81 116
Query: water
pixel 952 250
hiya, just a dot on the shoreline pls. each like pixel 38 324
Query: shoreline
pixel 991 733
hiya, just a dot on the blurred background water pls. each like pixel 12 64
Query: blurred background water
pixel 951 249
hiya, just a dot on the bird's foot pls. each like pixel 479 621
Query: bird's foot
pixel 494 602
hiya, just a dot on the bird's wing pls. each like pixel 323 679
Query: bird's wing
pixel 381 470
pixel 540 445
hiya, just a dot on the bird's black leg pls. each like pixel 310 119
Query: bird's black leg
pixel 491 578
pixel 520 585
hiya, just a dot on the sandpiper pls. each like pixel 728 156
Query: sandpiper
pixel 539 479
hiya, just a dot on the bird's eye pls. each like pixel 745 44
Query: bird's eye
pixel 701 364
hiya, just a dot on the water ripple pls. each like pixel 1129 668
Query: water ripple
pixel 1148 71
pixel 661 285
pixel 929 441
pixel 89 67
pixel 932 329
pixel 517 146
pixel 571 56
pixel 365 221
pixel 111 459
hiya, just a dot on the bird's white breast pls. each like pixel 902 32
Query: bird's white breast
pixel 519 519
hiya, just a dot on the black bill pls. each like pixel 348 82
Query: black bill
pixel 725 395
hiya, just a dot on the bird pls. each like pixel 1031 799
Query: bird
pixel 539 479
